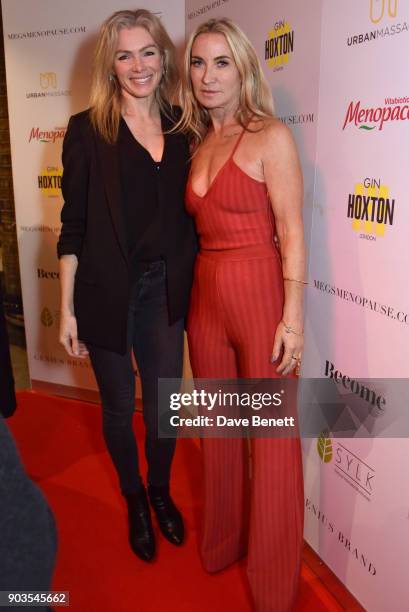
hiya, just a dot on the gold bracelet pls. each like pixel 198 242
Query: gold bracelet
pixel 291 330
pixel 294 280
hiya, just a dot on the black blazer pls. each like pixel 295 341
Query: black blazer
pixel 93 229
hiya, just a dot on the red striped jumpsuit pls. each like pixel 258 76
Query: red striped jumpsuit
pixel 236 305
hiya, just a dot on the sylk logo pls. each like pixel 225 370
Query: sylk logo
pixel 324 447
pixel 46 317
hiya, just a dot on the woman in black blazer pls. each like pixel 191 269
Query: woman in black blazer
pixel 126 252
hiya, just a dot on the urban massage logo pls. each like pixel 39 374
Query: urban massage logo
pixel 49 181
pixel 46 136
pixel 45 229
pixel 383 14
pixel 376 117
pixel 48 82
pixel 279 46
pixel 378 9
pixel 371 209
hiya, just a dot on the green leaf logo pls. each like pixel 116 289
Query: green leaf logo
pixel 366 127
pixel 46 317
pixel 324 446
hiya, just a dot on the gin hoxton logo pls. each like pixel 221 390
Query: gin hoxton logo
pixel 371 208
pixel 49 181
pixel 279 45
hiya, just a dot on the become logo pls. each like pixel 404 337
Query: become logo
pixel 378 9
pixel 324 447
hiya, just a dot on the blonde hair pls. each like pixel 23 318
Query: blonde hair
pixel 255 99
pixel 105 98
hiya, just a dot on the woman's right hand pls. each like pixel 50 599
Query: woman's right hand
pixel 69 336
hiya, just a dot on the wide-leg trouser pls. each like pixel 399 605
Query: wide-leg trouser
pixel 236 305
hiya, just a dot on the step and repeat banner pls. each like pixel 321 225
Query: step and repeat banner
pixel 343 62
pixel 357 492
pixel 48 49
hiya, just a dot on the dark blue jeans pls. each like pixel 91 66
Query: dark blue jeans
pixel 158 349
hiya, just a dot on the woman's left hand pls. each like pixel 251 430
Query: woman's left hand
pixel 291 344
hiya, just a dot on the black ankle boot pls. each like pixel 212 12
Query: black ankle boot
pixel 141 536
pixel 169 518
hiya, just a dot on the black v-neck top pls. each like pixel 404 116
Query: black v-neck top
pixel 140 177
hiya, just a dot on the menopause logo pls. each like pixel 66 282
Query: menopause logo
pixel 371 209
pixel 394 110
pixel 46 136
pixel 279 45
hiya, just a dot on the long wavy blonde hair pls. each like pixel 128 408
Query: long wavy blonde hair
pixel 255 100
pixel 105 97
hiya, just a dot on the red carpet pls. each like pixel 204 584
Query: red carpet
pixel 62 447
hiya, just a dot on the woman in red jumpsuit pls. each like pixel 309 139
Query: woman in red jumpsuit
pixel 245 194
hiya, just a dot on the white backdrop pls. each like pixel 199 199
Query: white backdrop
pixel 357 500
